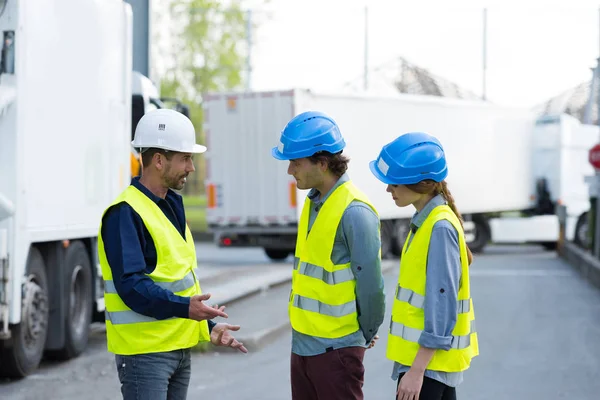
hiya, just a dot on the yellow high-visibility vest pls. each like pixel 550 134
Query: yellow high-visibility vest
pixel 131 333
pixel 322 301
pixel 408 320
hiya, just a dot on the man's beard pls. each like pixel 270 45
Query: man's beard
pixel 176 182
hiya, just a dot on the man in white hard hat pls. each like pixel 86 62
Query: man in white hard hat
pixel 155 310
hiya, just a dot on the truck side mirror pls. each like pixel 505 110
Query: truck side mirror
pixel 179 106
pixel 184 109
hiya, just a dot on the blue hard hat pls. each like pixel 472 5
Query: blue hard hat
pixel 309 133
pixel 411 158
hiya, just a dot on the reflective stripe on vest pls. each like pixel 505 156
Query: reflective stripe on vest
pixel 177 286
pixel 416 300
pixel 313 305
pixel 314 271
pixel 413 335
pixel 128 317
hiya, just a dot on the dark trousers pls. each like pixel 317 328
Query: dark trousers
pixel 433 390
pixel 334 375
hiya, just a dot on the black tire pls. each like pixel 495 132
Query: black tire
pixel 78 281
pixel 29 337
pixel 582 238
pixel 550 246
pixel 277 254
pixel 402 229
pixel 387 238
pixel 482 234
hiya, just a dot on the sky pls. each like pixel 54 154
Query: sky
pixel 535 49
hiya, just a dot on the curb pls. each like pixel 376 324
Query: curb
pixel 278 282
pixel 261 338
pixel 231 299
pixel 584 262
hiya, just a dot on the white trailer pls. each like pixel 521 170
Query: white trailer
pixel 497 156
pixel 65 128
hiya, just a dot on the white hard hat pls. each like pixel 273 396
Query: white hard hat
pixel 166 129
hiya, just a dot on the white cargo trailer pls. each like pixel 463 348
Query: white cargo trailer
pixel 497 157
pixel 65 117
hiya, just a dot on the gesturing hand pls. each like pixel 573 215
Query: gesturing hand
pixel 219 336
pixel 200 311
pixel 372 344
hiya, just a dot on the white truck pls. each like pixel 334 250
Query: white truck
pixel 69 101
pixel 501 160
pixel 65 118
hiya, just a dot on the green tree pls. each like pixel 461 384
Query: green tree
pixel 210 55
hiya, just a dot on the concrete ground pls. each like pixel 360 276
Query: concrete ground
pixel 538 324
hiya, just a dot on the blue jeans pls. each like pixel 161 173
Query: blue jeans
pixel 155 376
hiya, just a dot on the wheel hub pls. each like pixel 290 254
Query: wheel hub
pixel 77 299
pixel 35 311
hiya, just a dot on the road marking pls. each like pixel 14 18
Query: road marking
pixel 521 272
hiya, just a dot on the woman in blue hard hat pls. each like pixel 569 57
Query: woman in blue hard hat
pixel 432 336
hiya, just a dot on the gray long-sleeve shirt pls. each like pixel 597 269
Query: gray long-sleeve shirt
pixel 357 241
pixel 441 306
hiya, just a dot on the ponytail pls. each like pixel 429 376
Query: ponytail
pixel 429 186
pixel 448 196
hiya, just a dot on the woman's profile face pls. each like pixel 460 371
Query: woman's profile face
pixel 402 195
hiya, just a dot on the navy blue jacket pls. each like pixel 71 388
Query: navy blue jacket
pixel 131 254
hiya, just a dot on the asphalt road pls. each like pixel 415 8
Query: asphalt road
pixel 539 333
pixel 538 324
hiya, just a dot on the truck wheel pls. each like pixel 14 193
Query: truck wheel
pixel 29 337
pixel 387 238
pixel 481 233
pixel 277 254
pixel 78 281
pixel 550 246
pixel 581 238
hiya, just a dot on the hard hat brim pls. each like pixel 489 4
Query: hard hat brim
pixel 198 149
pixel 379 175
pixel 278 155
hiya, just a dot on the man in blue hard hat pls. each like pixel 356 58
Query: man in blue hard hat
pixel 337 301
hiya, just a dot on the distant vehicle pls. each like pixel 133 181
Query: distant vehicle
pixel 508 169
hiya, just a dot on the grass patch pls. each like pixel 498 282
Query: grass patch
pixel 195 212
pixel 196 218
pixel 194 201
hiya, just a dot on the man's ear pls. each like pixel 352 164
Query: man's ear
pixel 159 161
pixel 323 165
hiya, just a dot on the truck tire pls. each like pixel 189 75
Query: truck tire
pixel 277 254
pixel 481 233
pixel 387 233
pixel 78 281
pixel 402 229
pixel 581 237
pixel 550 246
pixel 24 354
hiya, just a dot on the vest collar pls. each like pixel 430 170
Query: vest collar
pixel 313 195
pixel 420 217
pixel 135 182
